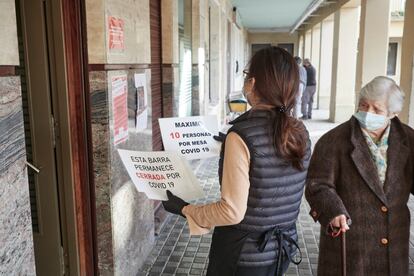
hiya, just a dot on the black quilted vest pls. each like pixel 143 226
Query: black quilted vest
pixel 276 187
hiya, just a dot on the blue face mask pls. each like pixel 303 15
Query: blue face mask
pixel 371 121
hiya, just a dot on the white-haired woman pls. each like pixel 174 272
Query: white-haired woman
pixel 362 172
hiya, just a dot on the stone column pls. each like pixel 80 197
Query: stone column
pixel 316 49
pixel 344 64
pixel 325 62
pixel 215 67
pixel 308 45
pixel 407 61
pixel 373 41
pixel 301 46
pixel 197 56
pixel 170 55
pixel 124 216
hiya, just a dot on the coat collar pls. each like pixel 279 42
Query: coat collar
pixel 397 154
pixel 259 112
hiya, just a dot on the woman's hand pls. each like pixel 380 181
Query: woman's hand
pixel 174 204
pixel 221 137
pixel 340 223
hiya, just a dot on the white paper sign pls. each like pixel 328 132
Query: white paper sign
pixel 191 137
pixel 142 101
pixel 153 173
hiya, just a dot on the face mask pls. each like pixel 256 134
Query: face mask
pixel 371 121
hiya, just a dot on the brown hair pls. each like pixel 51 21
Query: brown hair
pixel 276 76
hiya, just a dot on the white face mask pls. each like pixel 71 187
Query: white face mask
pixel 371 121
pixel 246 93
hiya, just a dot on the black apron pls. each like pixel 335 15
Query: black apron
pixel 228 241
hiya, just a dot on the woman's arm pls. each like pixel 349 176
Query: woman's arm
pixel 234 191
pixel 321 184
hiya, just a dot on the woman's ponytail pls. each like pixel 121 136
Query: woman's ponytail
pixel 290 139
pixel 277 84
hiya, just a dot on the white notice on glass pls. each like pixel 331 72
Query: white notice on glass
pixel 191 137
pixel 153 173
pixel 142 101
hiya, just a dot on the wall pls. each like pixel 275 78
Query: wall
pixel 396 28
pixel 216 69
pixel 198 59
pixel 407 83
pixel 411 101
pixel 308 44
pixel 395 35
pixel 136 31
pixel 239 48
pixel 315 58
pixel 9 54
pixel 344 61
pixel 222 51
pixel 125 217
pixel 301 48
pixel 170 55
pixel 214 56
pixel 325 74
pixel 397 75
pixel 275 38
pixel 16 238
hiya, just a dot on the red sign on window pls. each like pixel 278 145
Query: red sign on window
pixel 119 86
pixel 116 33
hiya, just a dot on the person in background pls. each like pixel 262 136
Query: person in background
pixel 309 93
pixel 302 86
pixel 362 172
pixel 262 171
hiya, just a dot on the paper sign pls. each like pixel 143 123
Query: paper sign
pixel 119 87
pixel 153 173
pixel 191 137
pixel 116 33
pixel 142 102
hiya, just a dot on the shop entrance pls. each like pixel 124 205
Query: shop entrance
pixel 52 153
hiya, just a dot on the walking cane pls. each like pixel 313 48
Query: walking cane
pixel 343 253
pixel 336 232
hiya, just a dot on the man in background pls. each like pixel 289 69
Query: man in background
pixel 302 86
pixel 309 93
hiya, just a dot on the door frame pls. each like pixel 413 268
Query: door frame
pixel 80 196
pixel 76 172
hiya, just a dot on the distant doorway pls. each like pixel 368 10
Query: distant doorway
pixel 258 47
pixel 287 46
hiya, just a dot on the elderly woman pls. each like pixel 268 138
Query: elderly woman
pixel 359 180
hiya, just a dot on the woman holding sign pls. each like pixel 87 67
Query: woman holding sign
pixel 262 170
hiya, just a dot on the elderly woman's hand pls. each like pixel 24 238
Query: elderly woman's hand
pixel 340 222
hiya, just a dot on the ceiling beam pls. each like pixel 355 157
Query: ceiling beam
pixel 268 30
pixel 311 8
pixel 323 13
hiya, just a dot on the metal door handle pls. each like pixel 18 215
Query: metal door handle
pixel 33 167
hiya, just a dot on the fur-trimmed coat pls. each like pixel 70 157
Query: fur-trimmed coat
pixel 343 179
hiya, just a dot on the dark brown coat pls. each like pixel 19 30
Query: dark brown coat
pixel 342 179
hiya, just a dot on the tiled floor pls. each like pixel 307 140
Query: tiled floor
pixel 176 253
